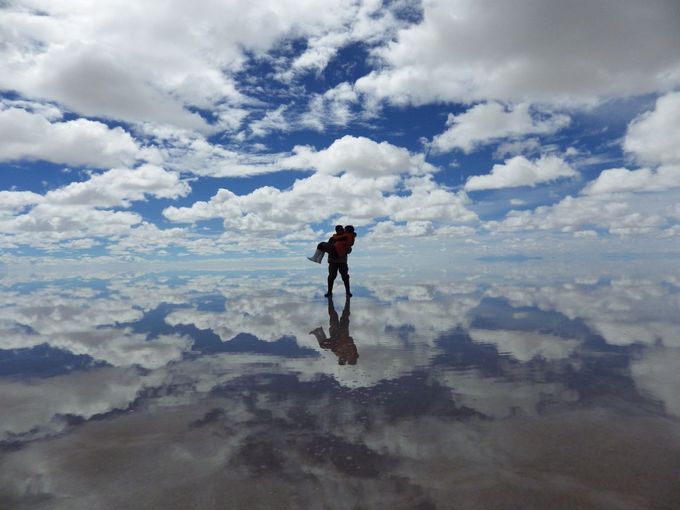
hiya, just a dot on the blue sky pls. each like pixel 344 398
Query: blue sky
pixel 222 128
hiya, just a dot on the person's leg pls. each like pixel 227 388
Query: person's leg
pixel 319 253
pixel 332 273
pixel 344 274
pixel 319 334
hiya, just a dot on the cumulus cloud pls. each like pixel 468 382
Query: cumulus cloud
pixel 175 60
pixel 620 216
pixel 13 201
pixel 653 136
pixel 358 156
pixel 79 142
pixel 68 222
pixel 606 201
pixel 269 210
pixel 274 120
pixel 519 171
pixel 366 180
pixel 79 212
pixel 188 151
pixel 120 186
pixel 487 122
pixel 194 90
pixel 333 107
pixel 465 50
pixel 371 22
pixel 619 180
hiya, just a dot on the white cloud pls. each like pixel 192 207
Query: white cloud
pixel 358 156
pixel 333 107
pixel 72 53
pixel 389 230
pixel 274 120
pixel 187 151
pixel 120 186
pixel 46 110
pixel 620 180
pixel 618 214
pixel 471 50
pixel 359 175
pixel 368 21
pixel 515 147
pixel 267 211
pixel 137 63
pixel 488 122
pixel 653 137
pixel 148 238
pixel 74 212
pixel 47 221
pixel 32 136
pixel 606 202
pixel 320 50
pixel 13 201
pixel 519 171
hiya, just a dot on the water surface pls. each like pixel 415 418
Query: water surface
pixel 501 388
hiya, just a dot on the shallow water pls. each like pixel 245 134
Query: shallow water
pixel 520 387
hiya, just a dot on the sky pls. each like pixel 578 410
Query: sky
pixel 138 130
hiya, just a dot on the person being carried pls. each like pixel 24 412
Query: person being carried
pixel 339 244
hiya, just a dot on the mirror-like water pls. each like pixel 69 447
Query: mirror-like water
pixel 212 390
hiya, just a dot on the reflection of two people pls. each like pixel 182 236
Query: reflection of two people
pixel 339 342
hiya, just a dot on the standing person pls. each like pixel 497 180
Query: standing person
pixel 337 260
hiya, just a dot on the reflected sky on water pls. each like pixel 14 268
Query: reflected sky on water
pixel 520 388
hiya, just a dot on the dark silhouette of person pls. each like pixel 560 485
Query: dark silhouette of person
pixel 339 342
pixel 337 262
pixel 338 247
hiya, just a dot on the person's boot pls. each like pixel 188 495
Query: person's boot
pixel 317 257
pixel 319 334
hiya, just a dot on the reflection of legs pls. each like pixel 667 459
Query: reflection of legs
pixel 344 319
pixel 333 321
pixel 332 273
pixel 344 274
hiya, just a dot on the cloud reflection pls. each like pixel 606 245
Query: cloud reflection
pixel 479 376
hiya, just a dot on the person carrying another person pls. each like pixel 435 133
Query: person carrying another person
pixel 339 244
pixel 337 247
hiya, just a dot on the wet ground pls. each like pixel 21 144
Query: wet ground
pixel 499 388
